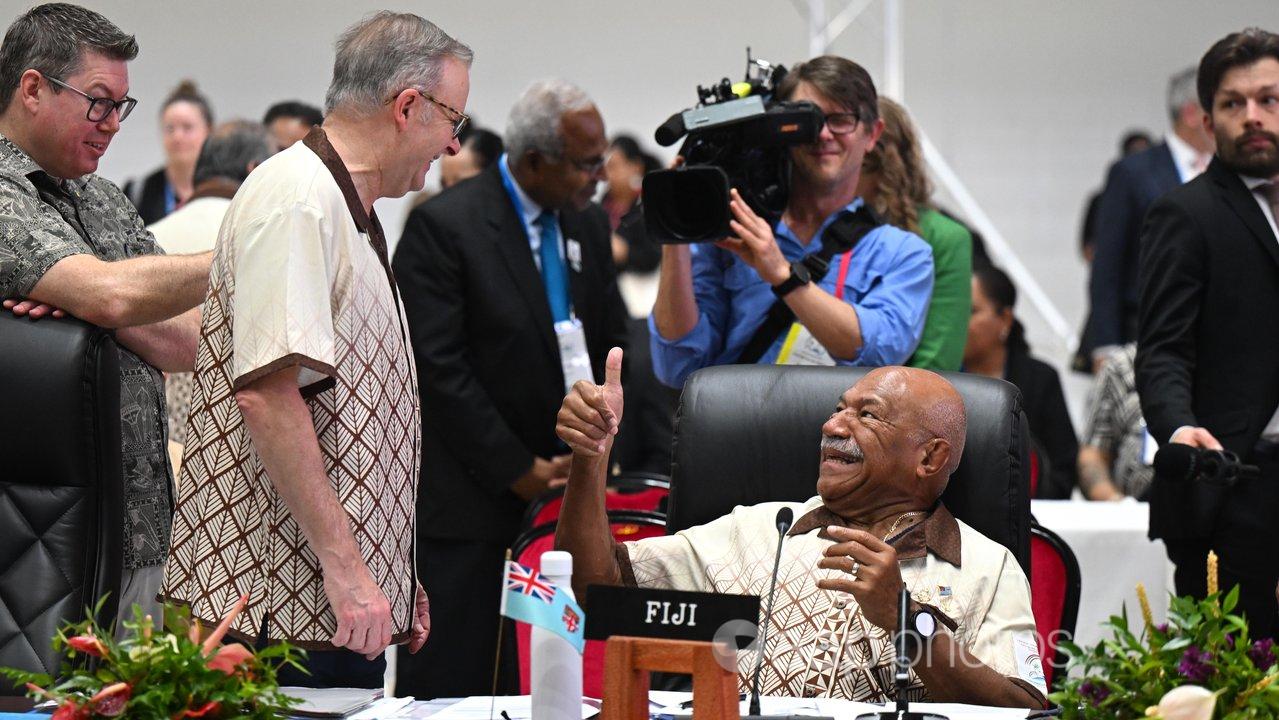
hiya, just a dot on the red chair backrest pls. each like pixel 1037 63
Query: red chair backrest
pixel 1054 594
pixel 623 493
pixel 624 529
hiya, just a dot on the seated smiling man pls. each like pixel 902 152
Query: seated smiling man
pixel 887 451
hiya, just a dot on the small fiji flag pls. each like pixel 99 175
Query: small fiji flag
pixel 528 596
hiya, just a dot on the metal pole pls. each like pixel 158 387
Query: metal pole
pixel 894 77
pixel 816 28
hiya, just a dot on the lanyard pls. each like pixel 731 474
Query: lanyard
pixel 844 262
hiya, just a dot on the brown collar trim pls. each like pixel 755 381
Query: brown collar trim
pixel 939 532
pixel 215 187
pixel 319 144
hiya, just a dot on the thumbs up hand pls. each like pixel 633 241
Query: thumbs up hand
pixel 591 413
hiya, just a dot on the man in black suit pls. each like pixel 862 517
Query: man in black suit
pixel 1132 184
pixel 511 295
pixel 1208 352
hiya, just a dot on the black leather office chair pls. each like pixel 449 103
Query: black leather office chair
pixel 746 434
pixel 61 507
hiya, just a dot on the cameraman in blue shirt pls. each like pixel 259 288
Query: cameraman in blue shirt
pixel 870 307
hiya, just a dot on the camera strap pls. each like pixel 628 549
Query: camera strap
pixel 841 236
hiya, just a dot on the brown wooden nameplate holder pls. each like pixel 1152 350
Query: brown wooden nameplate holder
pixel 629 660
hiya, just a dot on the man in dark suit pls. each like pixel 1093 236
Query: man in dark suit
pixel 1208 352
pixel 511 295
pixel 1131 186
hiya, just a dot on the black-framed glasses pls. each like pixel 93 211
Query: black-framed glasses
pixel 99 107
pixel 842 123
pixel 459 122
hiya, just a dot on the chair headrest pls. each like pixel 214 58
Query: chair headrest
pixel 746 434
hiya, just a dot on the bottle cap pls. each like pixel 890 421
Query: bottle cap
pixel 557 562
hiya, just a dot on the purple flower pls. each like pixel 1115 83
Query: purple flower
pixel 1262 654
pixel 1230 641
pixel 1162 628
pixel 1095 692
pixel 1195 664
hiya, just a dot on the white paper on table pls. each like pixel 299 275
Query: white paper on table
pixel 517 707
pixel 385 708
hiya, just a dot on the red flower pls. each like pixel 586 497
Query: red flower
pixel 110 700
pixel 88 644
pixel 70 711
pixel 211 706
pixel 229 657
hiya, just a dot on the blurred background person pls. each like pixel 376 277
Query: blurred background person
pixel 1131 186
pixel 232 151
pixel 1133 141
pixel 896 185
pixel 997 348
pixel 185 120
pixel 290 121
pixel 480 149
pixel 1116 451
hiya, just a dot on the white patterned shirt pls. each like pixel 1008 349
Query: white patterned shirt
pixel 300 278
pixel 820 644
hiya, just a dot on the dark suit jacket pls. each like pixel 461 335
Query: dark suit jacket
pixel 488 361
pixel 1131 186
pixel 1049 422
pixel 1208 351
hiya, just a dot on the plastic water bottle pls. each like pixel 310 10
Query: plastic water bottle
pixel 555 672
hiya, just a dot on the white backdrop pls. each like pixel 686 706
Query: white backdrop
pixel 1025 98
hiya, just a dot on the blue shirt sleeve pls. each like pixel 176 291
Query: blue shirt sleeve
pixel 674 360
pixel 891 296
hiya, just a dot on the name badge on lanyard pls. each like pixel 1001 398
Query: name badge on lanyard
pixel 800 347
pixel 573 356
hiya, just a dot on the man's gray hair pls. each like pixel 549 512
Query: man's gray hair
pixel 534 122
pixel 386 53
pixel 1182 90
pixel 52 39
pixel 230 149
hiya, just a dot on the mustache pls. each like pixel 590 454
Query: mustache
pixel 1243 139
pixel 848 446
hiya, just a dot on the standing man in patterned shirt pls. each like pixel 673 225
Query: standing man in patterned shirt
pixel 71 243
pixel 299 480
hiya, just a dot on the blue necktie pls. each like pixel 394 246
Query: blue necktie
pixel 554 275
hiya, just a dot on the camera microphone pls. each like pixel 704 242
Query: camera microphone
pixel 669 132
pixel 1183 463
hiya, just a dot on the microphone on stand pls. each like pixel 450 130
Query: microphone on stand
pixel 901 675
pixel 785 517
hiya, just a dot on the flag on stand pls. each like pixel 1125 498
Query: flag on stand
pixel 528 596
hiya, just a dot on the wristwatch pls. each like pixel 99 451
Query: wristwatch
pixel 799 277
pixel 921 626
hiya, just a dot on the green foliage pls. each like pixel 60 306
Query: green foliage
pixel 167 673
pixel 1201 644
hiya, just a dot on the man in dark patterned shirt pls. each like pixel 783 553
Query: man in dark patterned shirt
pixel 71 243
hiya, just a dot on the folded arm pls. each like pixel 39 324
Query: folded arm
pixel 125 293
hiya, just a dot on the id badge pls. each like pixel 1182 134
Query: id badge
pixel 573 355
pixel 1148 447
pixel 801 348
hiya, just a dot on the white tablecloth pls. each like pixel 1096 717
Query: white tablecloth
pixel 1109 540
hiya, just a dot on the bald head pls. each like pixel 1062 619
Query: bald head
pixel 934 405
pixel 893 441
